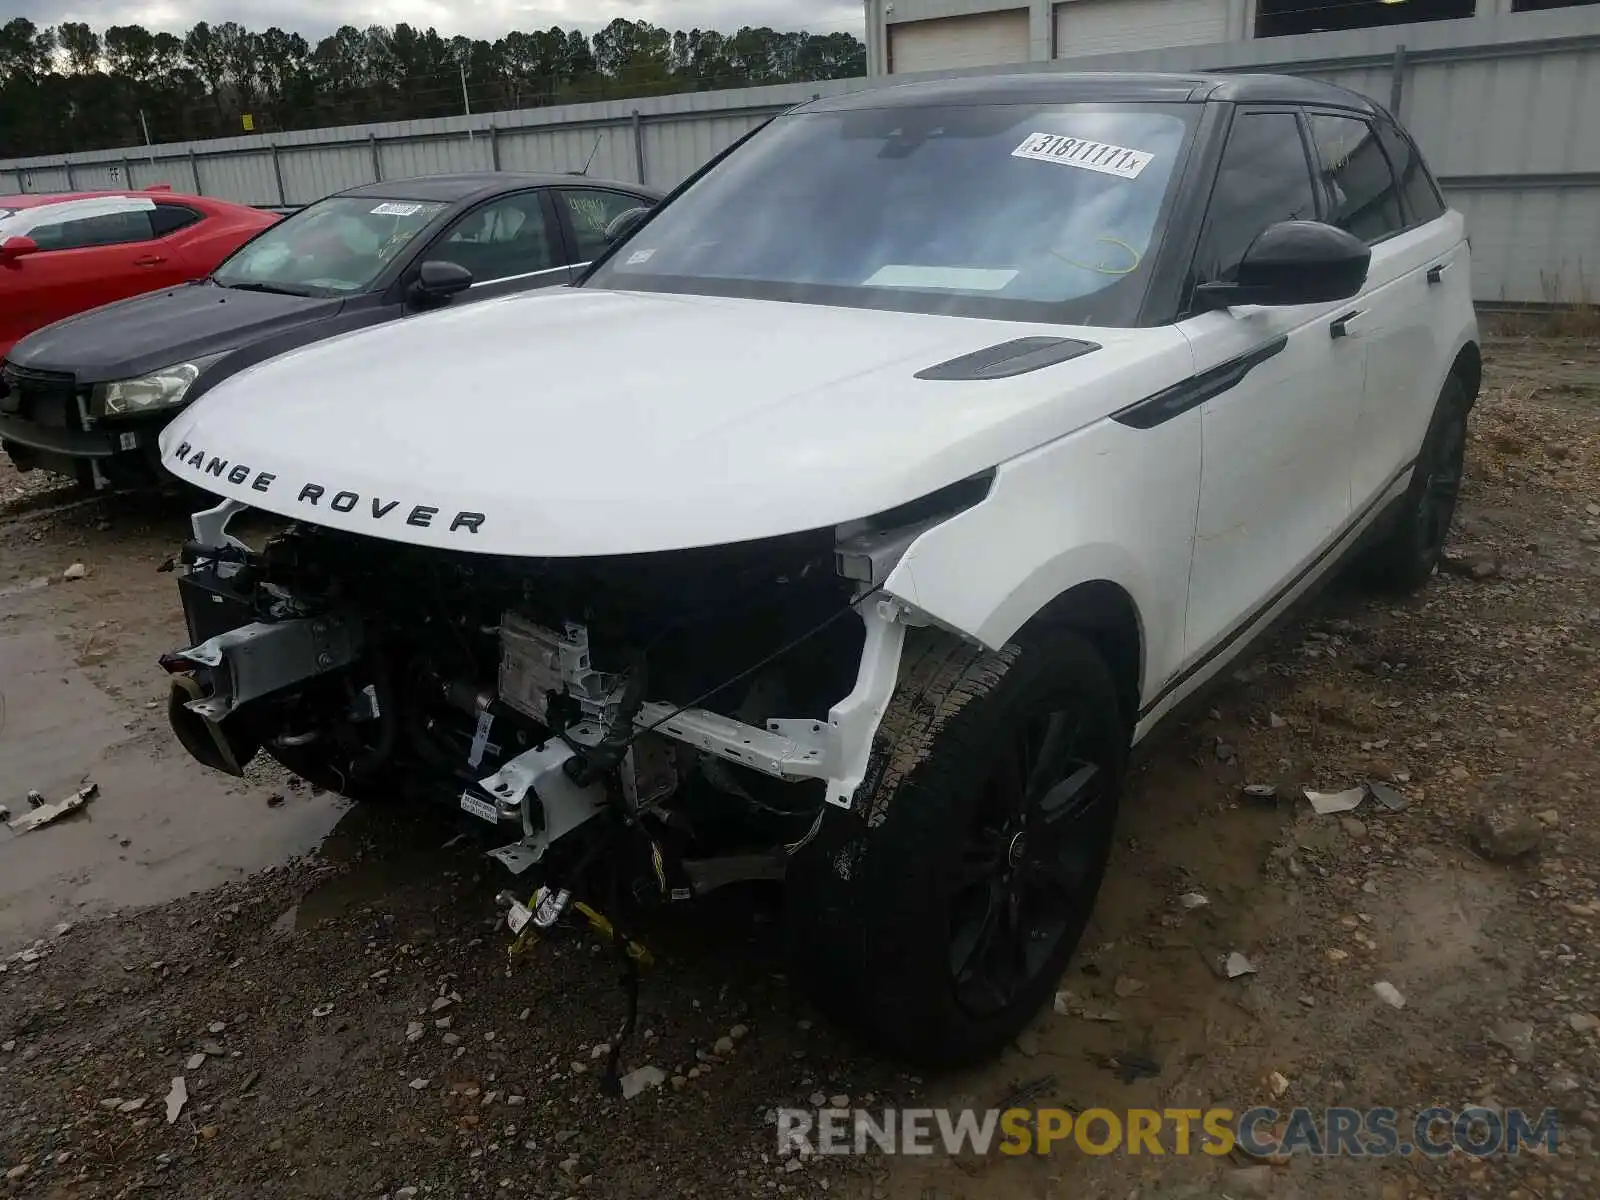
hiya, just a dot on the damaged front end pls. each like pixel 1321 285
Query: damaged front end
pixel 685 717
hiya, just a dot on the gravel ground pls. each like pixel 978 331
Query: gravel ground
pixel 347 1022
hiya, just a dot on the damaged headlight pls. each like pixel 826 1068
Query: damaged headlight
pixel 159 389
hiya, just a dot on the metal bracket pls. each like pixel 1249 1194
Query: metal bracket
pixel 853 722
pixel 775 751
pixel 263 657
pixel 536 777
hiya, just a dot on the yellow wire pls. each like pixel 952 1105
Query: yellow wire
pixel 1096 267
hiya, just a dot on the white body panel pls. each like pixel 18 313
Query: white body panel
pixel 708 421
pixel 948 43
pixel 1111 26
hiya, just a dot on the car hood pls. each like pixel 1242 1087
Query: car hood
pixel 587 422
pixel 144 333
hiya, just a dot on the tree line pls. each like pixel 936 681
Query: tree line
pixel 68 87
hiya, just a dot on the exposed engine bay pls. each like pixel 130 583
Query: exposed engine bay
pixel 686 716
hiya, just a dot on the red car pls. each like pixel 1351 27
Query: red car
pixel 60 255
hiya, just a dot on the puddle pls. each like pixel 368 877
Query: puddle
pixel 27 585
pixel 161 826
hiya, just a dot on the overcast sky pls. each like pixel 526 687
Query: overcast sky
pixel 476 18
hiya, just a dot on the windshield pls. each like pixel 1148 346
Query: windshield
pixel 1012 211
pixel 335 246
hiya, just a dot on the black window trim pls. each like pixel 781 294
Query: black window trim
pixel 1187 307
pixel 451 216
pixel 1408 221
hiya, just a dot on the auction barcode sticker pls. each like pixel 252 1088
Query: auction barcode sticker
pixel 1081 152
pixel 391 209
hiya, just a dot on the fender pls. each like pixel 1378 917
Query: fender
pixel 1122 502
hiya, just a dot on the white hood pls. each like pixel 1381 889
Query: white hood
pixel 577 422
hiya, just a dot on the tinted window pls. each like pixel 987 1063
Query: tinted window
pixel 1423 202
pixel 1361 188
pixel 103 229
pixel 508 237
pixel 336 246
pixel 169 218
pixel 1014 211
pixel 1264 178
pixel 591 211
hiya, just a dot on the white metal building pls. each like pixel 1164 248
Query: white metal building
pixel 910 36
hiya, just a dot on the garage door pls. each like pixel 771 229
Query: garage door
pixel 1110 26
pixel 981 40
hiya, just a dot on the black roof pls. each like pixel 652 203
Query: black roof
pixel 1080 87
pixel 475 185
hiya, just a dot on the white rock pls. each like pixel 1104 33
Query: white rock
pixel 322 1010
pixel 1278 1082
pixel 440 1003
pixel 739 1032
pixel 723 1045
pixel 131 1106
pixel 76 571
pixel 1193 900
pixel 414 1031
pixel 196 1061
pixel 1389 994
pixel 418 1085
pixel 839 1101
pixel 600 1050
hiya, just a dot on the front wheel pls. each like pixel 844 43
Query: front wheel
pixel 935 917
pixel 1405 558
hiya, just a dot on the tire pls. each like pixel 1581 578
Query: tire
pixel 888 904
pixel 1405 558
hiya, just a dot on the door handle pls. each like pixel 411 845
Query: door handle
pixel 149 260
pixel 1341 327
pixel 1436 273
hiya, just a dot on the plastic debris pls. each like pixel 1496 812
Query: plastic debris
pixel 1328 803
pixel 1236 965
pixel 1391 798
pixel 642 1079
pixel 1389 994
pixel 176 1098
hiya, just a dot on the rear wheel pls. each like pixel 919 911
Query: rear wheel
pixel 935 917
pixel 1406 557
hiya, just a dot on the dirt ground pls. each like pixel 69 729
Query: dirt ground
pixel 331 984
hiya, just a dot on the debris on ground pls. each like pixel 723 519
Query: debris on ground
pixel 76 571
pixel 43 814
pixel 177 1097
pixel 642 1079
pixel 1327 803
pixel 1503 830
pixel 1233 965
pixel 1389 994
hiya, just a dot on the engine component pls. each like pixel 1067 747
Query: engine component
pixel 536 663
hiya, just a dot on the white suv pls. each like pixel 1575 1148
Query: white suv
pixel 854 515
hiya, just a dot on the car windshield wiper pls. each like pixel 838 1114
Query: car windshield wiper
pixel 275 288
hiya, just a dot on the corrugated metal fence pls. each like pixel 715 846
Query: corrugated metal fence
pixel 1505 109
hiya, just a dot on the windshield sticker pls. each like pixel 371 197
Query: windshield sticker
pixel 397 210
pixel 640 256
pixel 959 279
pixel 1081 152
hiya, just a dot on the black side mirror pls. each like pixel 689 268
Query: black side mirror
pixel 623 223
pixel 437 281
pixel 1295 262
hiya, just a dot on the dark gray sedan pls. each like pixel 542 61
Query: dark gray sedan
pixel 85 397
